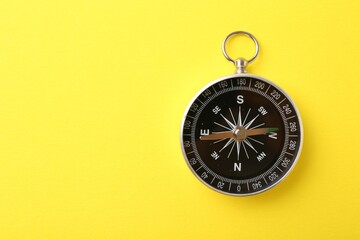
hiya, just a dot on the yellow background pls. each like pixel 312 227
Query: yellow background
pixel 92 94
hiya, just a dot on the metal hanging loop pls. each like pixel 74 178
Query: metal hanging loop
pixel 240 63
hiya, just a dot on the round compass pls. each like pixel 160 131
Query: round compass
pixel 241 134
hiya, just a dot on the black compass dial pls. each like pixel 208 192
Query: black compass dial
pixel 241 135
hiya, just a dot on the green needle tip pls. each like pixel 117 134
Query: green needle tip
pixel 273 129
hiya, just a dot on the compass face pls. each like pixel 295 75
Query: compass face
pixel 241 135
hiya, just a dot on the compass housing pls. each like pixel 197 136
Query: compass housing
pixel 241 135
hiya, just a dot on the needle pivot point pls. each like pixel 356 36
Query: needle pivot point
pixel 239 133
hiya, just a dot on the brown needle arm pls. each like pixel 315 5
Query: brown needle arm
pixel 217 136
pixel 260 131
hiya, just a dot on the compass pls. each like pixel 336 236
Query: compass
pixel 241 134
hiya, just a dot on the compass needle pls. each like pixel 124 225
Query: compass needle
pixel 249 123
pixel 250 145
pixel 227 144
pixel 217 136
pixel 247 155
pixel 217 140
pixel 260 131
pixel 255 140
pixel 222 126
pixel 241 134
pixel 232 116
pixel 262 124
pixel 228 122
pixel 238 149
pixel 239 118
pixel 232 147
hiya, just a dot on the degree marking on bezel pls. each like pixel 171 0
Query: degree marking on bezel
pixel 282 101
pixel 199 168
pixel 290 117
pixel 213 87
pixel 268 89
pixel 200 101
pixel 265 181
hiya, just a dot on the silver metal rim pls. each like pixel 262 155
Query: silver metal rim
pixel 265 80
pixel 257 47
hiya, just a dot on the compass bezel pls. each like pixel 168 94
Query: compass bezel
pixel 300 127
